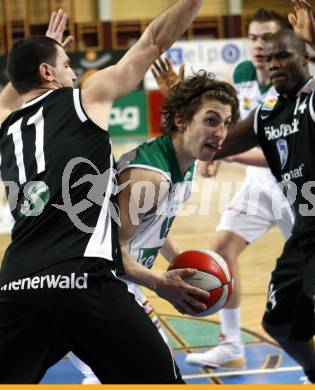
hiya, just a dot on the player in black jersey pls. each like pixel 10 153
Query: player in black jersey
pixel 58 289
pixel 285 129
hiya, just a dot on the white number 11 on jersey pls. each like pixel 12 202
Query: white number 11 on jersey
pixel 15 129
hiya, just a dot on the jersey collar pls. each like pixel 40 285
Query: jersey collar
pixel 37 99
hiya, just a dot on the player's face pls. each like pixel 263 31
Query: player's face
pixel 258 34
pixel 207 130
pixel 63 73
pixel 288 69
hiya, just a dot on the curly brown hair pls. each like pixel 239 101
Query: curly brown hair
pixel 186 98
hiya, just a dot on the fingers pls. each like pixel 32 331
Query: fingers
pixel 159 67
pixel 164 64
pixel 68 41
pixel 305 4
pixel 155 74
pixel 58 20
pixel 196 303
pixel 62 24
pixel 292 20
pixel 301 4
pixel 184 272
pixel 191 290
pixel 51 21
pixel 185 308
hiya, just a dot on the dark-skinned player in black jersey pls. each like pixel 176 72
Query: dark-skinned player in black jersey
pixel 285 129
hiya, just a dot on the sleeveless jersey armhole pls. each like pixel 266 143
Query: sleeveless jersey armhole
pixel 78 105
pixel 311 106
pixel 256 119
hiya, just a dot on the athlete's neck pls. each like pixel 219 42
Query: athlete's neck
pixel 184 159
pixel 34 93
pixel 262 77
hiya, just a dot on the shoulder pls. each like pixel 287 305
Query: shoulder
pixel 143 176
pixel 244 71
pixel 152 156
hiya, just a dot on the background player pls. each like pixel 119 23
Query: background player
pixel 41 311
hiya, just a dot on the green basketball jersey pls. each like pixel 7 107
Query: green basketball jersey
pixel 157 155
pixel 250 92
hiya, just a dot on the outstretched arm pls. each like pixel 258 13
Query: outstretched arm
pixel 254 157
pixel 240 138
pixel 107 85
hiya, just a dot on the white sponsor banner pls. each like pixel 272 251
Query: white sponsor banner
pixel 218 56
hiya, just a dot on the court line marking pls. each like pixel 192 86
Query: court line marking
pixel 243 372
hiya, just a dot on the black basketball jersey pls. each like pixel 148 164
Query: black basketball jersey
pixel 286 131
pixel 58 170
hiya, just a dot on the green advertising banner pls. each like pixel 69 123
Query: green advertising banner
pixel 129 116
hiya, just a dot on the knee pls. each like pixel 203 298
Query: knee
pixel 228 245
pixel 225 250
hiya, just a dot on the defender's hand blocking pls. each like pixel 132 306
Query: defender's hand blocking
pixel 180 294
pixel 165 76
pixel 303 21
pixel 56 28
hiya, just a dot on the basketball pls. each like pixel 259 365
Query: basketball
pixel 213 275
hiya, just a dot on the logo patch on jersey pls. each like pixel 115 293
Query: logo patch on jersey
pixel 283 151
pixel 269 103
pixel 246 103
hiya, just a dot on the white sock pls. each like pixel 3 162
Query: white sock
pixel 231 324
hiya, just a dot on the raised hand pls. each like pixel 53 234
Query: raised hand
pixel 56 28
pixel 303 21
pixel 180 294
pixel 165 75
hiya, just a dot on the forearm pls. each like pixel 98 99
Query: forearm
pixel 137 273
pixel 240 139
pixel 232 147
pixel 252 157
pixel 170 249
pixel 172 23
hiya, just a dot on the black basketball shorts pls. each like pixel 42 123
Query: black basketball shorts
pixel 79 306
pixel 292 287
